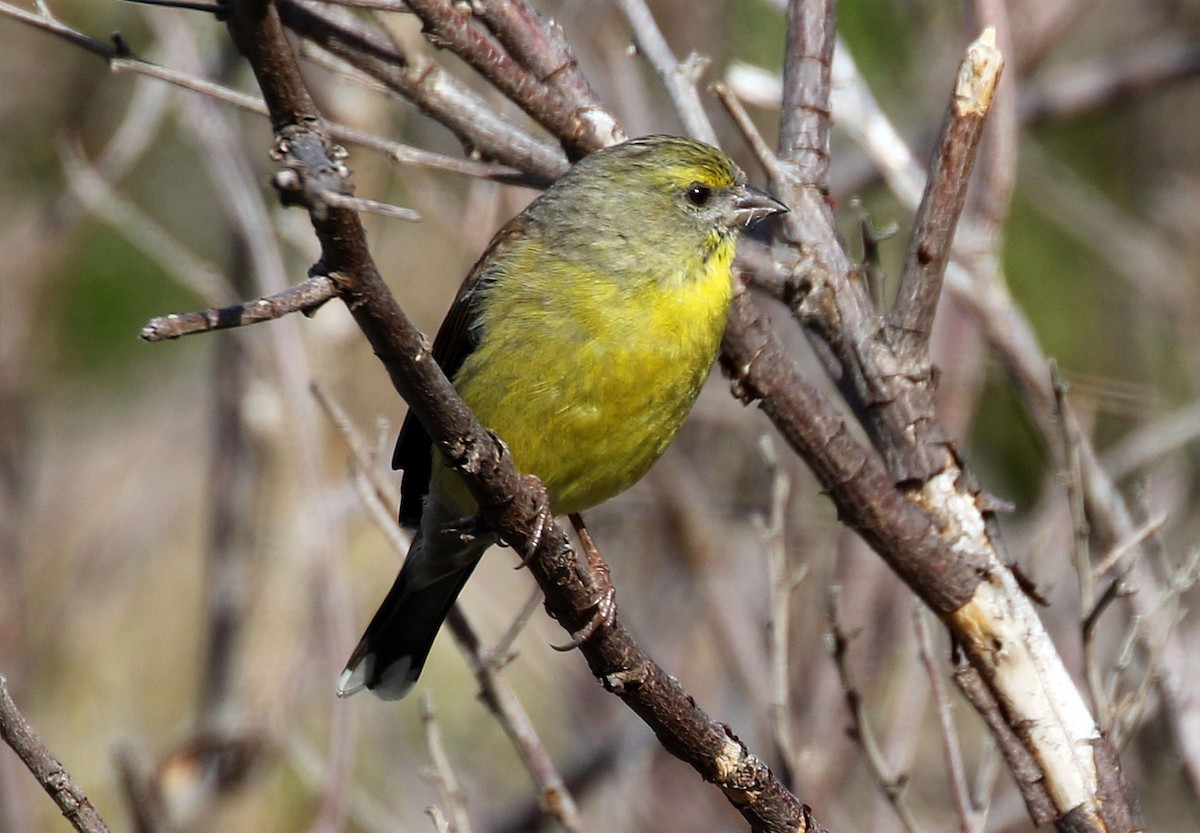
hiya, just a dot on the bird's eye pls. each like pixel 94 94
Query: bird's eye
pixel 697 194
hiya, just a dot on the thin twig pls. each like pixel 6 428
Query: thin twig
pixel 502 651
pixel 45 22
pixel 783 583
pixel 53 777
pixel 395 212
pixel 1112 560
pixel 360 452
pixel 762 151
pixel 1128 713
pixel 378 5
pixel 945 192
pixel 554 798
pixel 453 797
pixel 1156 643
pixel 891 785
pixel 969 821
pixel 680 79
pixel 304 297
pixel 310 767
pixel 1072 477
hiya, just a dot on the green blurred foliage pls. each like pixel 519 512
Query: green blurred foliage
pixel 754 28
pixel 109 291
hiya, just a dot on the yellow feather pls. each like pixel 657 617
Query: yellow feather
pixel 596 431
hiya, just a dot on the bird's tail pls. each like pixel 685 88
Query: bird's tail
pixel 391 653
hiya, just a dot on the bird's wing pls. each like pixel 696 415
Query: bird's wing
pixel 455 340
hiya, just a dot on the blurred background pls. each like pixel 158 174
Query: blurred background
pixel 186 558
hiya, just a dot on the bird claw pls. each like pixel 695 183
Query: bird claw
pixel 543 521
pixel 605 614
pixel 605 600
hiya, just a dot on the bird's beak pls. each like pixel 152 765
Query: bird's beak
pixel 750 205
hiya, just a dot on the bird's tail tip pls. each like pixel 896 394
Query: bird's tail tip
pixel 352 680
pixel 393 683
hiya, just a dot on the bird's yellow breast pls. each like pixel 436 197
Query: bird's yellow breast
pixel 588 379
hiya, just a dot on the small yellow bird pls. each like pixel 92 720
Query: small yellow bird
pixel 582 338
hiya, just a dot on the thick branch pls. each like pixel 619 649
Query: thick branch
pixel 453 26
pixel 423 83
pixel 906 536
pixel 804 126
pixel 538 43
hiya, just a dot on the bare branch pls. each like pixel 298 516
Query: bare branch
pixel 893 398
pixel 853 474
pixel 452 26
pixel 804 126
pixel 453 797
pixel 554 798
pixel 679 78
pixel 43 21
pixel 968 820
pixel 861 732
pixel 538 43
pixel 53 777
pixel 945 193
pixel 304 297
pixel 424 84
pixel 1021 762
pixel 783 584
pixel 1114 79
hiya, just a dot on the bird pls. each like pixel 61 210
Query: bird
pixel 581 337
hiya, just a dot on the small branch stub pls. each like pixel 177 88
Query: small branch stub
pixel 945 194
pixel 978 75
pixel 304 297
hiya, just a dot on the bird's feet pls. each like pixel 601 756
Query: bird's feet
pixel 604 603
pixel 542 522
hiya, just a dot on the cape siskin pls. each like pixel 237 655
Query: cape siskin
pixel 582 338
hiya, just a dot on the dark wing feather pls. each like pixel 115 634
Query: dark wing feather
pixel 455 340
